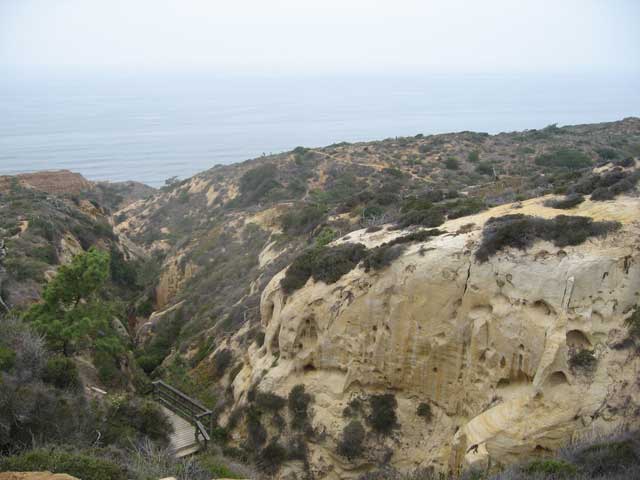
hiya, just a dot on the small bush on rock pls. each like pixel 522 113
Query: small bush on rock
pixel 426 217
pixel 351 443
pixel 424 411
pixel 298 402
pixel 570 201
pixel 383 417
pixel 584 359
pixel 257 434
pixel 271 457
pixel 270 401
pixel 520 231
pixel 222 359
pixel 297 448
pixel 326 264
pixel 382 256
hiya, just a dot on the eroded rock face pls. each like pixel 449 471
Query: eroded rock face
pixel 486 345
pixel 35 476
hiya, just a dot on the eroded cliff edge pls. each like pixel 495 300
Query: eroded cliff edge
pixel 486 345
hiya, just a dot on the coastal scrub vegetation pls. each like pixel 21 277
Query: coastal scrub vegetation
pixel 329 264
pixel 309 197
pixel 520 231
pixel 326 264
pixel 382 417
pixel 564 158
pixel 351 442
pixel 570 201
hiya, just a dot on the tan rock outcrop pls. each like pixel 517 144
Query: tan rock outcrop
pixel 35 476
pixel 173 277
pixel 486 345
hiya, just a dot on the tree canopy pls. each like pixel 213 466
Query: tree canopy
pixel 72 314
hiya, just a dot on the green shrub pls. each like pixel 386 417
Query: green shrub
pixel 298 403
pixel 25 268
pixel 484 168
pixel 353 408
pixel 325 237
pixel 426 217
pixel 564 158
pixel 123 273
pixel 270 401
pixel 424 411
pixel 394 172
pixel 167 332
pixel 570 201
pixel 259 339
pixel 124 420
pixel 272 457
pixel 382 417
pixel 326 264
pixel 463 207
pixel 584 359
pixel 45 253
pixel 351 443
pixel 221 360
pixel 382 256
pixel 56 460
pixel 61 372
pixel 418 236
pixel 626 162
pixel 609 186
pixel 605 459
pixel 452 163
pixel 473 156
pixel 257 185
pixel 7 358
pixel 556 468
pixel 108 368
pixel 299 221
pixel 520 231
pixel 602 194
pixel 215 467
pixel 607 153
pixel 297 448
pixel 256 433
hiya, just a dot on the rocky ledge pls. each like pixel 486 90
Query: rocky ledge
pixel 495 348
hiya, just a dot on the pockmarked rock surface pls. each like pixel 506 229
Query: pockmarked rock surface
pixel 486 345
pixel 35 476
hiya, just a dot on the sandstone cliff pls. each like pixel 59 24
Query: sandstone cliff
pixel 487 345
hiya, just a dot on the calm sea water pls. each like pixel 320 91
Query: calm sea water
pixel 151 128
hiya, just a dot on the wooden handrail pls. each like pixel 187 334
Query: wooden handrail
pixel 188 399
pixel 203 431
pixel 184 406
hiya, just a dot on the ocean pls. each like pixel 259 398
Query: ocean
pixel 152 127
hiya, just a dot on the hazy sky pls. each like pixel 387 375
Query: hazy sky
pixel 320 35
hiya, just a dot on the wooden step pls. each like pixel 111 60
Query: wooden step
pixel 183 439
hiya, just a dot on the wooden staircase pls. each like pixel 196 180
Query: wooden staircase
pixel 188 418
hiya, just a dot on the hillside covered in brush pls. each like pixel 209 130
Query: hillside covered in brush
pixel 222 234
